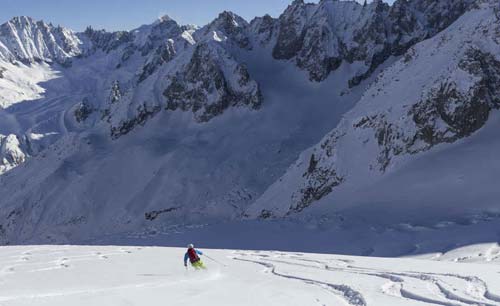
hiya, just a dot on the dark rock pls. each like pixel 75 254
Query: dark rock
pixel 463 113
pixel 307 34
pixel 203 88
pixel 107 41
pixel 265 214
pixel 152 215
pixel 165 53
pixel 83 111
pixel 143 114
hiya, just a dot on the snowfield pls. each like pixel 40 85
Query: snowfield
pixel 91 275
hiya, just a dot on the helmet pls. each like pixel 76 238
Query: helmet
pixel 190 246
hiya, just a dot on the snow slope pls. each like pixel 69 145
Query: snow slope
pixel 70 275
pixel 22 83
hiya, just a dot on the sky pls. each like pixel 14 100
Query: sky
pixel 115 15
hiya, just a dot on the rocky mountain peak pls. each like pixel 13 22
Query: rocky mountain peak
pixel 22 21
pixel 227 27
pixel 228 20
pixel 24 39
pixel 264 28
pixel 160 43
pixel 164 18
pixel 165 26
pixel 296 3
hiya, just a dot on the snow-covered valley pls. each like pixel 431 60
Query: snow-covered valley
pixel 90 275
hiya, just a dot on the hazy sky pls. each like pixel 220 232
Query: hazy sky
pixel 129 14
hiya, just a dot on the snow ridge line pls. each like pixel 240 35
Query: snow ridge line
pixel 352 296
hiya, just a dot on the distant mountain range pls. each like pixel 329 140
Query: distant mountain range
pixel 332 109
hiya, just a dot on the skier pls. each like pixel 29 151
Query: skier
pixel 192 255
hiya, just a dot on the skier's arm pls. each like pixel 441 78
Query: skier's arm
pixel 186 259
pixel 199 252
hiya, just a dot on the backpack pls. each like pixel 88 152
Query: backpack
pixel 193 256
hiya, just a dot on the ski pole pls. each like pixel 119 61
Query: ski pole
pixel 220 263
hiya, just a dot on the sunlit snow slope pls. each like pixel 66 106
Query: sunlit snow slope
pixel 68 275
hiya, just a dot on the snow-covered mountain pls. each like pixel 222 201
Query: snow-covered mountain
pixel 26 40
pixel 319 37
pixel 442 91
pixel 168 124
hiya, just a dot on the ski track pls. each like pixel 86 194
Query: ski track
pixel 351 296
pixel 430 288
pixel 480 284
pixel 412 296
pixel 447 294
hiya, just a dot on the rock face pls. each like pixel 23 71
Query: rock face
pixel 264 29
pixel 120 114
pixel 159 33
pixel 210 83
pixel 165 39
pixel 201 77
pixel 319 37
pixel 107 41
pixel 322 181
pixel 161 55
pixel 441 91
pixel 450 113
pixel 447 113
